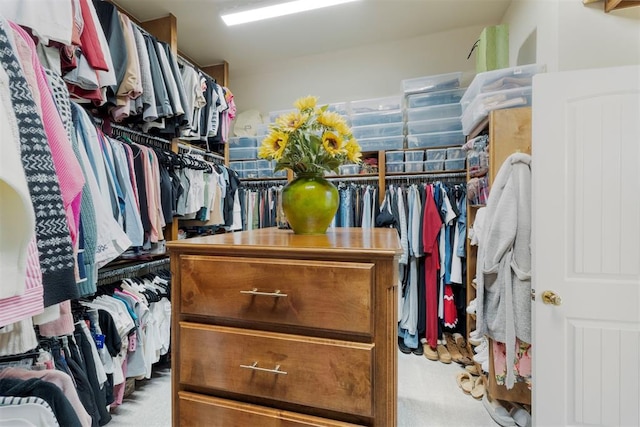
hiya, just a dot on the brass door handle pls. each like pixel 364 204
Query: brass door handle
pixel 551 298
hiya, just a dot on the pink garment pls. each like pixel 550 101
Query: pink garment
pixel 63 325
pixel 66 164
pixel 132 174
pixel 31 302
pixel 118 389
pixel 60 379
pixel 149 189
pixel 155 170
pixel 521 362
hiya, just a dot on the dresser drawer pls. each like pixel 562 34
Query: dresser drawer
pixel 199 410
pixel 322 373
pixel 319 294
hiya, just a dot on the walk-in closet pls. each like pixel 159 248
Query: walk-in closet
pixel 478 265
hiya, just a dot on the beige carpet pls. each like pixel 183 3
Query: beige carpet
pixel 427 396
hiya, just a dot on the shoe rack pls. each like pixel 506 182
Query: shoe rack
pixel 509 131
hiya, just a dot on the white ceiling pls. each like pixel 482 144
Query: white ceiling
pixel 204 38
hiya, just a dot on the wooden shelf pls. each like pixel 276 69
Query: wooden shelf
pixel 610 5
pixel 509 131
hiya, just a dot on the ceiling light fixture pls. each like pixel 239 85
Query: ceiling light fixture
pixel 278 10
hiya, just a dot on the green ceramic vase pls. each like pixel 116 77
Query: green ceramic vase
pixel 310 203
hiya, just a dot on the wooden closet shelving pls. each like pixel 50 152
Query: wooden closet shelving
pixel 165 29
pixel 509 132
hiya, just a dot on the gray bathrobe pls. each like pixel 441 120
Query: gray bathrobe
pixel 504 259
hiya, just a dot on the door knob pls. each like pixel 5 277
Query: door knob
pixel 551 298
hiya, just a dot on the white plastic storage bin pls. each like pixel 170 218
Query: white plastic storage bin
pixel 349 169
pixel 338 107
pixel 262 130
pixel 251 173
pixel 433 165
pixel 429 99
pixel 242 153
pixel 435 112
pixel 243 142
pixel 394 156
pixel 395 167
pixel 377 117
pixel 413 166
pixel 500 80
pixel 440 125
pixel 435 139
pixel 454 165
pixel 375 131
pixel 436 154
pixel 433 83
pixel 382 143
pixel 376 104
pixel 264 164
pixel 486 102
pixel 455 153
pixel 236 166
pixel 265 173
pixel 414 155
pixel 273 115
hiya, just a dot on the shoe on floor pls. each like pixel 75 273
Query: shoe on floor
pixel 464 350
pixel 521 416
pixel 465 381
pixel 429 353
pixel 453 349
pixel 479 388
pixel 472 369
pixel 403 348
pixel 443 354
pixel 498 413
pixel 418 351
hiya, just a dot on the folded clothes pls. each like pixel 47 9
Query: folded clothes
pixel 506 83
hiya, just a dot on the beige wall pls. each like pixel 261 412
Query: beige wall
pixel 344 75
pixel 571 35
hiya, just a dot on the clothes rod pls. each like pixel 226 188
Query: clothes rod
pixel 139 269
pixel 372 178
pixel 430 176
pixel 186 149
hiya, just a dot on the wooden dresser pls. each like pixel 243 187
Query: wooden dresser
pixel 270 328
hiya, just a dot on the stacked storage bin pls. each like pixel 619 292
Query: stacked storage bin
pixel 377 123
pixel 497 89
pixel 433 122
pixel 243 155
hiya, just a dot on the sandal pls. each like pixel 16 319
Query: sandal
pixel 478 389
pixel 467 358
pixel 454 351
pixel 465 381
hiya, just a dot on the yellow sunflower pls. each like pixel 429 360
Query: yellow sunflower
pixel 332 120
pixel 353 150
pixel 291 121
pixel 332 143
pixel 273 145
pixel 306 103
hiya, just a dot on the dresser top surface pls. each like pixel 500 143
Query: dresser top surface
pixel 373 241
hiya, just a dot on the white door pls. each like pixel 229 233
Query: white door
pixel 586 247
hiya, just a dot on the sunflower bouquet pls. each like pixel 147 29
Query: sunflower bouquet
pixel 310 140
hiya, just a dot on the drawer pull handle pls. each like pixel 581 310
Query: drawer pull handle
pixel 255 291
pixel 254 366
